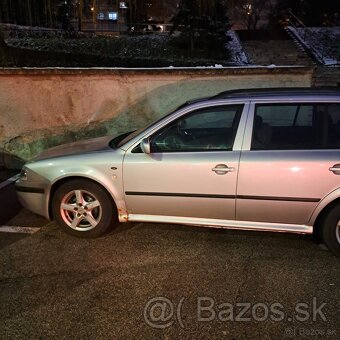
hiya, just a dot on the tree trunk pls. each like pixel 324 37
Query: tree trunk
pixel 80 15
pixel 192 43
pixel 4 12
pixel 49 13
pixel 29 12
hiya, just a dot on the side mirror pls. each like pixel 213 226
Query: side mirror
pixel 145 145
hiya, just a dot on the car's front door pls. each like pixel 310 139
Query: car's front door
pixel 192 168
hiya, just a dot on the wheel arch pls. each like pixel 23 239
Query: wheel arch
pixel 321 216
pixel 56 185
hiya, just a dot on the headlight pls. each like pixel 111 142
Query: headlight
pixel 23 174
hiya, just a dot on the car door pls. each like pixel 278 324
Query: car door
pixel 287 161
pixel 192 169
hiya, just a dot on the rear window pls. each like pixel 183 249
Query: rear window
pixel 296 126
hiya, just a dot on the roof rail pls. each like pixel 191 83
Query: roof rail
pixel 277 92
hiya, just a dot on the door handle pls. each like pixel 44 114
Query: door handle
pixel 222 169
pixel 335 169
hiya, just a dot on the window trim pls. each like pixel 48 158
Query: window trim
pixel 287 101
pixel 237 115
pixel 238 142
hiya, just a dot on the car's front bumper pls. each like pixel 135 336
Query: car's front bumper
pixel 34 198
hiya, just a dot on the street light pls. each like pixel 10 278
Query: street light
pixel 248 8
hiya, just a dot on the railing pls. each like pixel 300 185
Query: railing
pixel 297 23
pixel 309 38
pixel 106 26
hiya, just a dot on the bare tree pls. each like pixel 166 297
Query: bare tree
pixel 202 22
pixel 29 12
pixel 252 12
pixel 4 15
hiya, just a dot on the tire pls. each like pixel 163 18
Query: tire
pixel 83 208
pixel 331 230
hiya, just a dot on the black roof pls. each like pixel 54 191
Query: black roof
pixel 281 91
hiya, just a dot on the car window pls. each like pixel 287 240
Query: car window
pixel 296 127
pixel 139 131
pixel 211 129
pixel 304 115
pixel 276 115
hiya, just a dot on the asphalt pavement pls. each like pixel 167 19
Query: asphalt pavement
pixel 9 204
pixel 161 281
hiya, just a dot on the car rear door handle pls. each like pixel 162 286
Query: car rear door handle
pixel 222 169
pixel 335 169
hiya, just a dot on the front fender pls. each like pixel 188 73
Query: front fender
pixel 114 189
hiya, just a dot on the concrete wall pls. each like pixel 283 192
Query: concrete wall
pixel 41 108
pixel 327 76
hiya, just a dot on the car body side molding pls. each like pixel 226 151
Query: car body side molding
pixel 244 197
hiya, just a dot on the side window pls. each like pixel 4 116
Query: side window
pixel 304 116
pixel 296 127
pixel 331 125
pixel 276 115
pixel 212 129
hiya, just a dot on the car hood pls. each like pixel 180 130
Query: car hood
pixel 84 146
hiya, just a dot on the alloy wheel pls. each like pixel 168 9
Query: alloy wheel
pixel 80 210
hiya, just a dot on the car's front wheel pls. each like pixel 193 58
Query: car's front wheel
pixel 331 230
pixel 83 208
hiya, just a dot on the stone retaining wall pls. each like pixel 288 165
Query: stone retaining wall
pixel 327 76
pixel 41 108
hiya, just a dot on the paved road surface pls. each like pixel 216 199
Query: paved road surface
pixel 9 205
pixel 164 282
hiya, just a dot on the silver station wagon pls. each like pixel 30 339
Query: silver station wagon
pixel 266 159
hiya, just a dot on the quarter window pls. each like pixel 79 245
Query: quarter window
pixel 296 126
pixel 212 129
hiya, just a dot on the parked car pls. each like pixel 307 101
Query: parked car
pixel 266 159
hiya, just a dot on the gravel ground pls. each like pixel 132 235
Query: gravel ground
pixel 56 286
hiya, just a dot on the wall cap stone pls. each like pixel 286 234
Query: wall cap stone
pixel 204 71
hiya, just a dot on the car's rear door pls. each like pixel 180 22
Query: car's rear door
pixel 192 168
pixel 286 165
